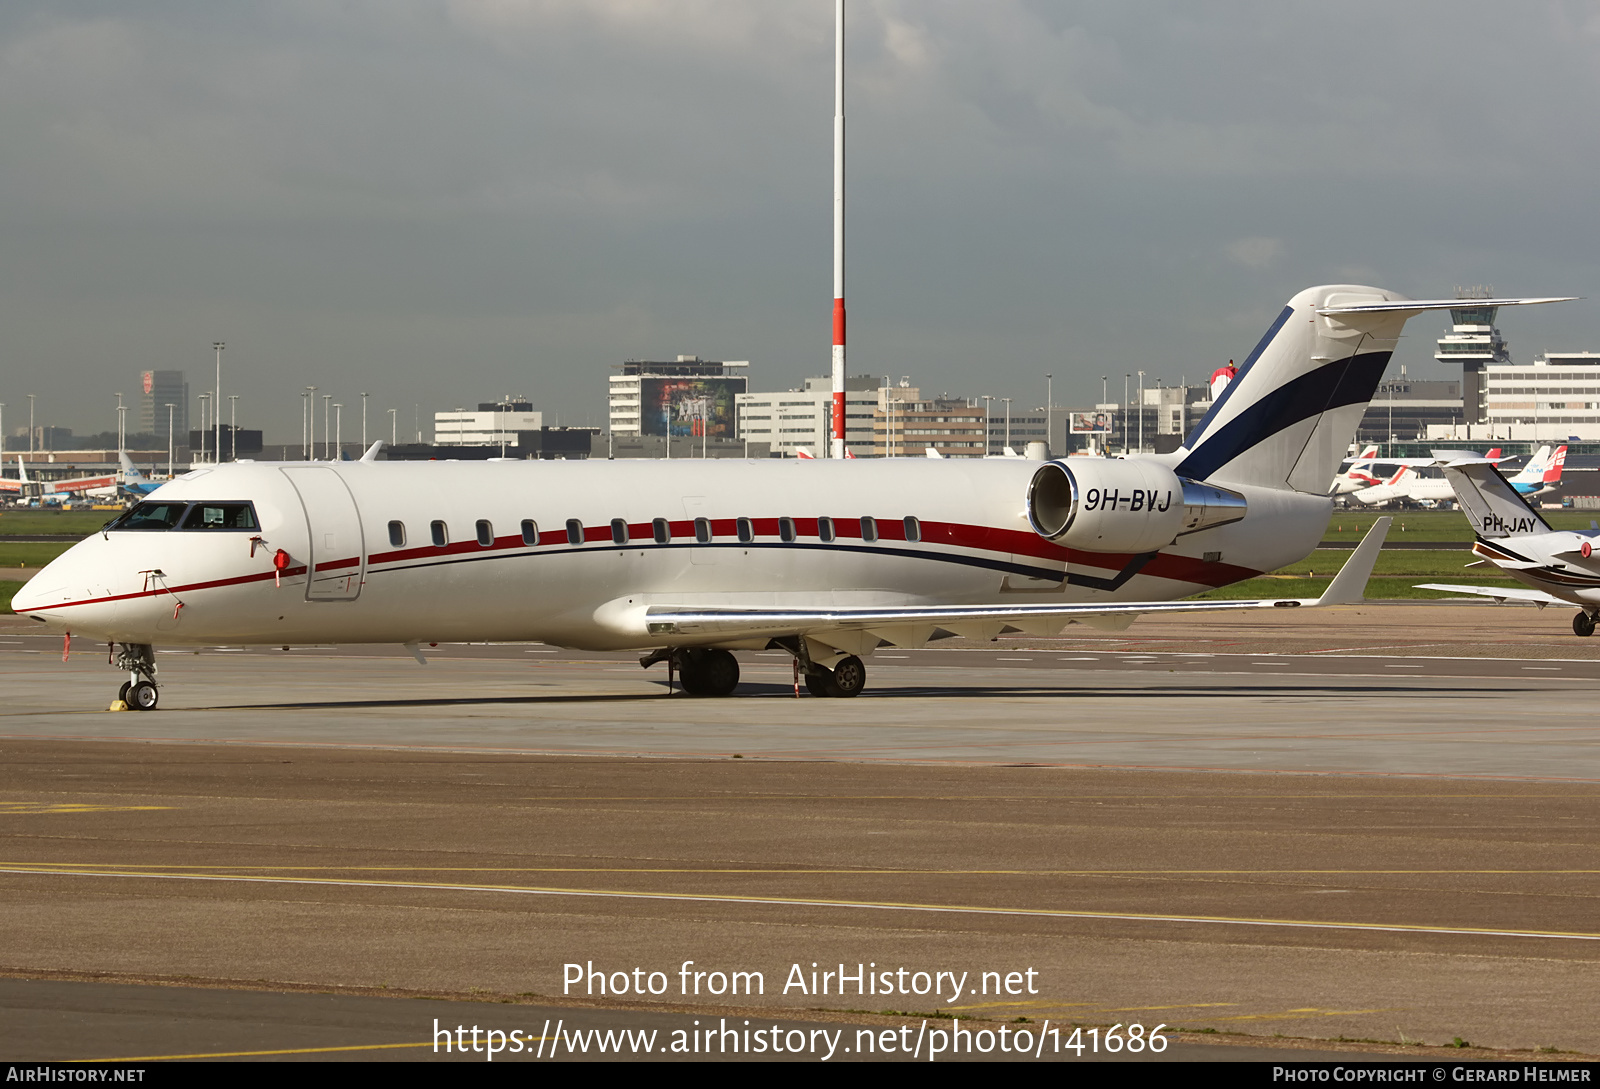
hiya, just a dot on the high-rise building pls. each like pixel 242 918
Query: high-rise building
pixel 158 389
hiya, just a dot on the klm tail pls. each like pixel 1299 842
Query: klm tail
pixel 1290 415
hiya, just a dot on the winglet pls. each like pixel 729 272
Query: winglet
pixel 372 451
pixel 1350 584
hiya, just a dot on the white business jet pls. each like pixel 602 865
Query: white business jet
pixel 1555 566
pixel 688 561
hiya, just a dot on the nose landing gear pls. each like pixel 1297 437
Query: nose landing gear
pixel 139 691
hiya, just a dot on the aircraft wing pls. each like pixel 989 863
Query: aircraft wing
pixel 1500 594
pixel 916 623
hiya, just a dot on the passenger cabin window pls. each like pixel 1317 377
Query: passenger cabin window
pixel 825 529
pixel 485 533
pixel 574 531
pixel 702 530
pixel 662 530
pixel 441 535
pixel 220 516
pixel 746 532
pixel 913 529
pixel 397 534
pixel 530 531
pixel 869 529
pixel 786 530
pixel 619 531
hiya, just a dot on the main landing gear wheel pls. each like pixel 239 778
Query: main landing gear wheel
pixel 709 672
pixel 143 696
pixel 1583 624
pixel 122 693
pixel 844 680
pixel 849 677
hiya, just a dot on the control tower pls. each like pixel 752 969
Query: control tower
pixel 1475 343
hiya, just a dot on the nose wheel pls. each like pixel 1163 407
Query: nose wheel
pixel 140 691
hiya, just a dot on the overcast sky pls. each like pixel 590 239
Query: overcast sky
pixel 443 202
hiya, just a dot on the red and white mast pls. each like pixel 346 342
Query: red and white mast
pixel 837 447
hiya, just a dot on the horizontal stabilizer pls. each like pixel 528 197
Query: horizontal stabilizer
pixel 1417 306
pixel 1498 593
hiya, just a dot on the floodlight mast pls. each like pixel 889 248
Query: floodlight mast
pixel 836 447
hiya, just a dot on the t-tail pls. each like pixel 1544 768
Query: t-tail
pixel 1288 418
pixel 1492 504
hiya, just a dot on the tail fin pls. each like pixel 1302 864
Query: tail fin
pixel 130 471
pixel 1534 470
pixel 1286 421
pixel 1552 475
pixel 1491 503
pixel 1493 454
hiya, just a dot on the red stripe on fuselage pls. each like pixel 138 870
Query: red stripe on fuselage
pixel 1002 542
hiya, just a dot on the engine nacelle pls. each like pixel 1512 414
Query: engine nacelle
pixel 1103 505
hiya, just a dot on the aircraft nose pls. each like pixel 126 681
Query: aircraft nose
pixel 47 596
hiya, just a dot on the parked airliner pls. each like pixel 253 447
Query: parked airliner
pixel 690 560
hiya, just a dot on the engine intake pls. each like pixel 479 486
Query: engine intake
pixel 1124 506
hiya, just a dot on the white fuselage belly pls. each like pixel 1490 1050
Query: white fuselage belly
pixel 976 546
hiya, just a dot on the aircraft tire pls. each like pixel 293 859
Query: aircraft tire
pixel 690 678
pixel 818 684
pixel 122 693
pixel 718 673
pixel 143 696
pixel 849 677
pixel 1583 624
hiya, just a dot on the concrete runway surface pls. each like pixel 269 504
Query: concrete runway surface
pixel 1252 828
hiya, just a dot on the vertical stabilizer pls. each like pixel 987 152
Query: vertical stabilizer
pixel 1492 505
pixel 1287 419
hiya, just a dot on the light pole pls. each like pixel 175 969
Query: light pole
pixel 393 429
pixel 1007 400
pixel 30 427
pixel 205 403
pixel 338 431
pixel 217 346
pixel 363 420
pixel 1126 378
pixel 305 422
pixel 170 407
pixel 985 398
pixel 1049 410
pixel 122 427
pixel 233 427
pixel 1141 412
pixel 2 427
pixel 327 399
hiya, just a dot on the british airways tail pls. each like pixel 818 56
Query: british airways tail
pixel 1288 418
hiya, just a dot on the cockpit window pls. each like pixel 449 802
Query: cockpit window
pixel 149 515
pixel 220 516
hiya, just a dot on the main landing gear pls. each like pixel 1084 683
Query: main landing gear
pixel 701 671
pixel 707 671
pixel 1583 624
pixel 139 691
pixel 847 678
